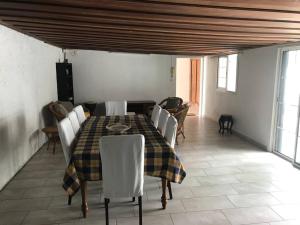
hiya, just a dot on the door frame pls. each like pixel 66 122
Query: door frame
pixel 276 105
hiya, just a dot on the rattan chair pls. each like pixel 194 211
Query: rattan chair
pixel 172 104
pixel 180 115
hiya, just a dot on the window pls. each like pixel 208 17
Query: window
pixel 227 72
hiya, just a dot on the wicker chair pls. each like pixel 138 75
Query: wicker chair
pixel 180 115
pixel 172 104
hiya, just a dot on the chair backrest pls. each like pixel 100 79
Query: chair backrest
pixel 80 114
pixel 181 115
pixel 116 108
pixel 57 110
pixel 155 115
pixel 67 137
pixel 171 103
pixel 74 121
pixel 162 122
pixel 171 130
pixel 122 158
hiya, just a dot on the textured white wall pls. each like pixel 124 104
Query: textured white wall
pixel 27 83
pixel 252 104
pixel 183 78
pixel 100 76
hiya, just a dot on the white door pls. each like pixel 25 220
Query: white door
pixel 288 106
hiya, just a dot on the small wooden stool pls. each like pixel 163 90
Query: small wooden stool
pixel 52 135
pixel 229 123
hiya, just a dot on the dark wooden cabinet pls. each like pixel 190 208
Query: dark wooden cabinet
pixel 139 107
pixel 64 77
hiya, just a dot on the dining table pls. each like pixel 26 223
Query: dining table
pixel 160 159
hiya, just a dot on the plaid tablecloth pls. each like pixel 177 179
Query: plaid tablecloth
pixel 160 159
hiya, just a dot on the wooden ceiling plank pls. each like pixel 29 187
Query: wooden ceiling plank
pixel 139 24
pixel 157 8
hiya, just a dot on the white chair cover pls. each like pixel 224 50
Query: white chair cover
pixel 74 121
pixel 171 129
pixel 155 115
pixel 80 114
pixel 67 136
pixel 116 108
pixel 122 158
pixel 162 122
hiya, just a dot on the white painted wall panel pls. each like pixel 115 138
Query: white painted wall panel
pixel 100 76
pixel 27 83
pixel 252 104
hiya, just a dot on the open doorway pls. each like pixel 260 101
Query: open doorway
pixel 188 83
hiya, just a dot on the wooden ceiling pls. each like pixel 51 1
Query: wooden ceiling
pixel 182 27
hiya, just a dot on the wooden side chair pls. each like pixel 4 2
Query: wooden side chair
pixel 180 115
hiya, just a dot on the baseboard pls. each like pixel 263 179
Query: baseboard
pixel 243 137
pixel 250 140
pixel 19 170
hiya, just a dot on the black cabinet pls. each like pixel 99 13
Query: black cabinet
pixel 64 77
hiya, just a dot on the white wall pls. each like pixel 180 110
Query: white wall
pixel 27 83
pixel 100 76
pixel 252 104
pixel 183 78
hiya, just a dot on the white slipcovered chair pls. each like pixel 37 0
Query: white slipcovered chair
pixel 80 114
pixel 155 115
pixel 171 129
pixel 122 158
pixel 162 121
pixel 67 137
pixel 170 136
pixel 74 122
pixel 116 108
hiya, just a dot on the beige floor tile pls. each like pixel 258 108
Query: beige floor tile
pixel 222 171
pixel 200 218
pixel 24 204
pixel 288 212
pixel 287 197
pixel 147 220
pixel 221 179
pixel 258 187
pixel 289 222
pixel 12 218
pixel 207 203
pixel 213 190
pixel 251 215
pixel 247 200
pixel 155 208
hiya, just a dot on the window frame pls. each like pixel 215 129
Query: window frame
pixel 221 89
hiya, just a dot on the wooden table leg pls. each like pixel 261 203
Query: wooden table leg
pixel 84 206
pixel 163 197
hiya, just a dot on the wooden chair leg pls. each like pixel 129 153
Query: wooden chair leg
pixel 140 211
pixel 133 199
pixel 106 201
pixel 69 200
pixel 170 189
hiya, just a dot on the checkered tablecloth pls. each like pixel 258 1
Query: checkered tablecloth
pixel 160 159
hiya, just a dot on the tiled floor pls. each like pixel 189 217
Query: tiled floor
pixel 229 182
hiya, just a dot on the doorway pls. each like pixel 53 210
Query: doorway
pixel 188 83
pixel 287 139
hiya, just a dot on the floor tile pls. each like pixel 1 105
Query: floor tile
pixel 247 200
pixel 200 218
pixel 207 203
pixel 251 215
